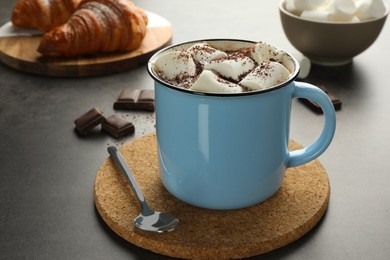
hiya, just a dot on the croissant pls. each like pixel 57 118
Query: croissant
pixel 97 26
pixel 43 15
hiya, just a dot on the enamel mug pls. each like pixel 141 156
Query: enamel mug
pixel 230 151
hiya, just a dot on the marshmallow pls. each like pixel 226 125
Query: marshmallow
pixel 209 82
pixel 263 52
pixel 317 15
pixel 287 62
pixel 203 52
pixel 354 19
pixel 337 10
pixel 175 64
pixel 232 66
pixel 370 9
pixel 305 66
pixel 342 10
pixel 308 4
pixel 298 6
pixel 290 7
pixel 266 75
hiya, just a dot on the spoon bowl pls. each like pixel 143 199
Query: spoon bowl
pixel 157 222
pixel 148 220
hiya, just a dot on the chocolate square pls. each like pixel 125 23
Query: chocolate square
pixel 117 127
pixel 89 120
pixel 135 99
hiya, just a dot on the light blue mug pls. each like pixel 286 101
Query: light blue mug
pixel 229 151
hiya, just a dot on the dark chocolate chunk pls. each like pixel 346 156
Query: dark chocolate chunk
pixel 135 99
pixel 316 108
pixel 117 127
pixel 89 120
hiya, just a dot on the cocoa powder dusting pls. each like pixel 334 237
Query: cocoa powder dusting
pixel 185 80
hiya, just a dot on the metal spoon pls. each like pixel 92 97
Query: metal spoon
pixel 148 220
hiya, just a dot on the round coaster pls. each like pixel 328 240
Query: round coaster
pixel 209 234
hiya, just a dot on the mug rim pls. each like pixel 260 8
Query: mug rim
pixel 152 73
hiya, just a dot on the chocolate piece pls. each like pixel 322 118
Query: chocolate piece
pixel 316 108
pixel 117 127
pixel 135 99
pixel 89 120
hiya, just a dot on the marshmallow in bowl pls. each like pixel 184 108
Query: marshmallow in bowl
pixel 176 64
pixel 342 10
pixel 370 9
pixel 265 75
pixel 298 6
pixel 337 10
pixel 316 15
pixel 209 82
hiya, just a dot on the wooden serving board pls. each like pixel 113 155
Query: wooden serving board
pixel 20 52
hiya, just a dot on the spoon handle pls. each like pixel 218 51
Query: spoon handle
pixel 120 161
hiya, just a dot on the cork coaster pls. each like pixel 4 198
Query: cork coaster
pixel 209 234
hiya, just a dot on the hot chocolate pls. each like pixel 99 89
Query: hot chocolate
pixel 204 67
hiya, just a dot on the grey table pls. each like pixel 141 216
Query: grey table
pixel 47 171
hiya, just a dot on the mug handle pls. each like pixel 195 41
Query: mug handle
pixel 308 91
